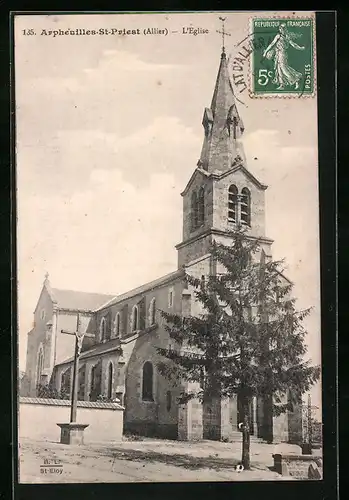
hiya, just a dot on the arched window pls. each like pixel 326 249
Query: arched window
pixel 110 381
pixel 201 207
pixel 147 382
pixel 246 207
pixel 65 384
pixel 92 395
pixel 168 400
pixel 134 318
pixel 81 383
pixel 152 310
pixel 194 211
pixel 95 381
pixel 232 203
pixel 117 325
pixel 103 329
pixel 170 297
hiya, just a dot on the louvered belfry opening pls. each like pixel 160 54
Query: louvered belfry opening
pixel 232 203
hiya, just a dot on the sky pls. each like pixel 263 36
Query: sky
pixel 108 134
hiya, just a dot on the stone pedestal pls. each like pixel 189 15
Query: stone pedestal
pixel 72 433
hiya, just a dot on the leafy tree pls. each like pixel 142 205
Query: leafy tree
pixel 249 339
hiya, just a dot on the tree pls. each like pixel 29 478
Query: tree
pixel 249 339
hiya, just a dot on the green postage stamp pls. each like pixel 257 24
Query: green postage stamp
pixel 283 58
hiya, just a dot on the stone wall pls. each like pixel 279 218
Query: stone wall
pixel 298 466
pixel 197 181
pixel 295 424
pixel 193 249
pixel 190 421
pixel 38 419
pixel 220 203
pixel 161 295
pixel 158 417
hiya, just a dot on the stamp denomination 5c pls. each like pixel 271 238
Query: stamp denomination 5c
pixel 283 59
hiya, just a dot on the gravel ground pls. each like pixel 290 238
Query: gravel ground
pixel 147 460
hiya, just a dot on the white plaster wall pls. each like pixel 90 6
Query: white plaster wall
pixel 39 422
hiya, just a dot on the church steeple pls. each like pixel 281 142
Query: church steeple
pixel 221 193
pixel 223 126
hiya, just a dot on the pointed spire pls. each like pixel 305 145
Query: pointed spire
pixel 223 126
pixel 223 94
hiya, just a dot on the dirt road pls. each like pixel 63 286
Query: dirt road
pixel 140 461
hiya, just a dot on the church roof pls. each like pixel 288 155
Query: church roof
pixel 78 301
pixel 223 95
pixel 218 175
pixel 96 350
pixel 143 288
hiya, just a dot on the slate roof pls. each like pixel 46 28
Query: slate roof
pixel 143 288
pixel 81 301
pixel 97 349
pixel 218 150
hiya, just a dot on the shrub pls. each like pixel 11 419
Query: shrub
pixel 47 391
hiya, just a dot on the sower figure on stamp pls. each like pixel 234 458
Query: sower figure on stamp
pixel 285 75
pixel 72 433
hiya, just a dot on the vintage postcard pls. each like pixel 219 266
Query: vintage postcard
pixel 168 247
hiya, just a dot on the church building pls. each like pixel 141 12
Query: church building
pixel 119 359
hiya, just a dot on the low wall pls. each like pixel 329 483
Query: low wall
pixel 38 419
pixel 299 466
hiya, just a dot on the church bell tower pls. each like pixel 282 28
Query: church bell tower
pixel 221 193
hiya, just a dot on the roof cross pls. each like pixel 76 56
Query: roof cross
pixel 223 33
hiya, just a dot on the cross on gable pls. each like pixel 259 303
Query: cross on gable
pixel 223 32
